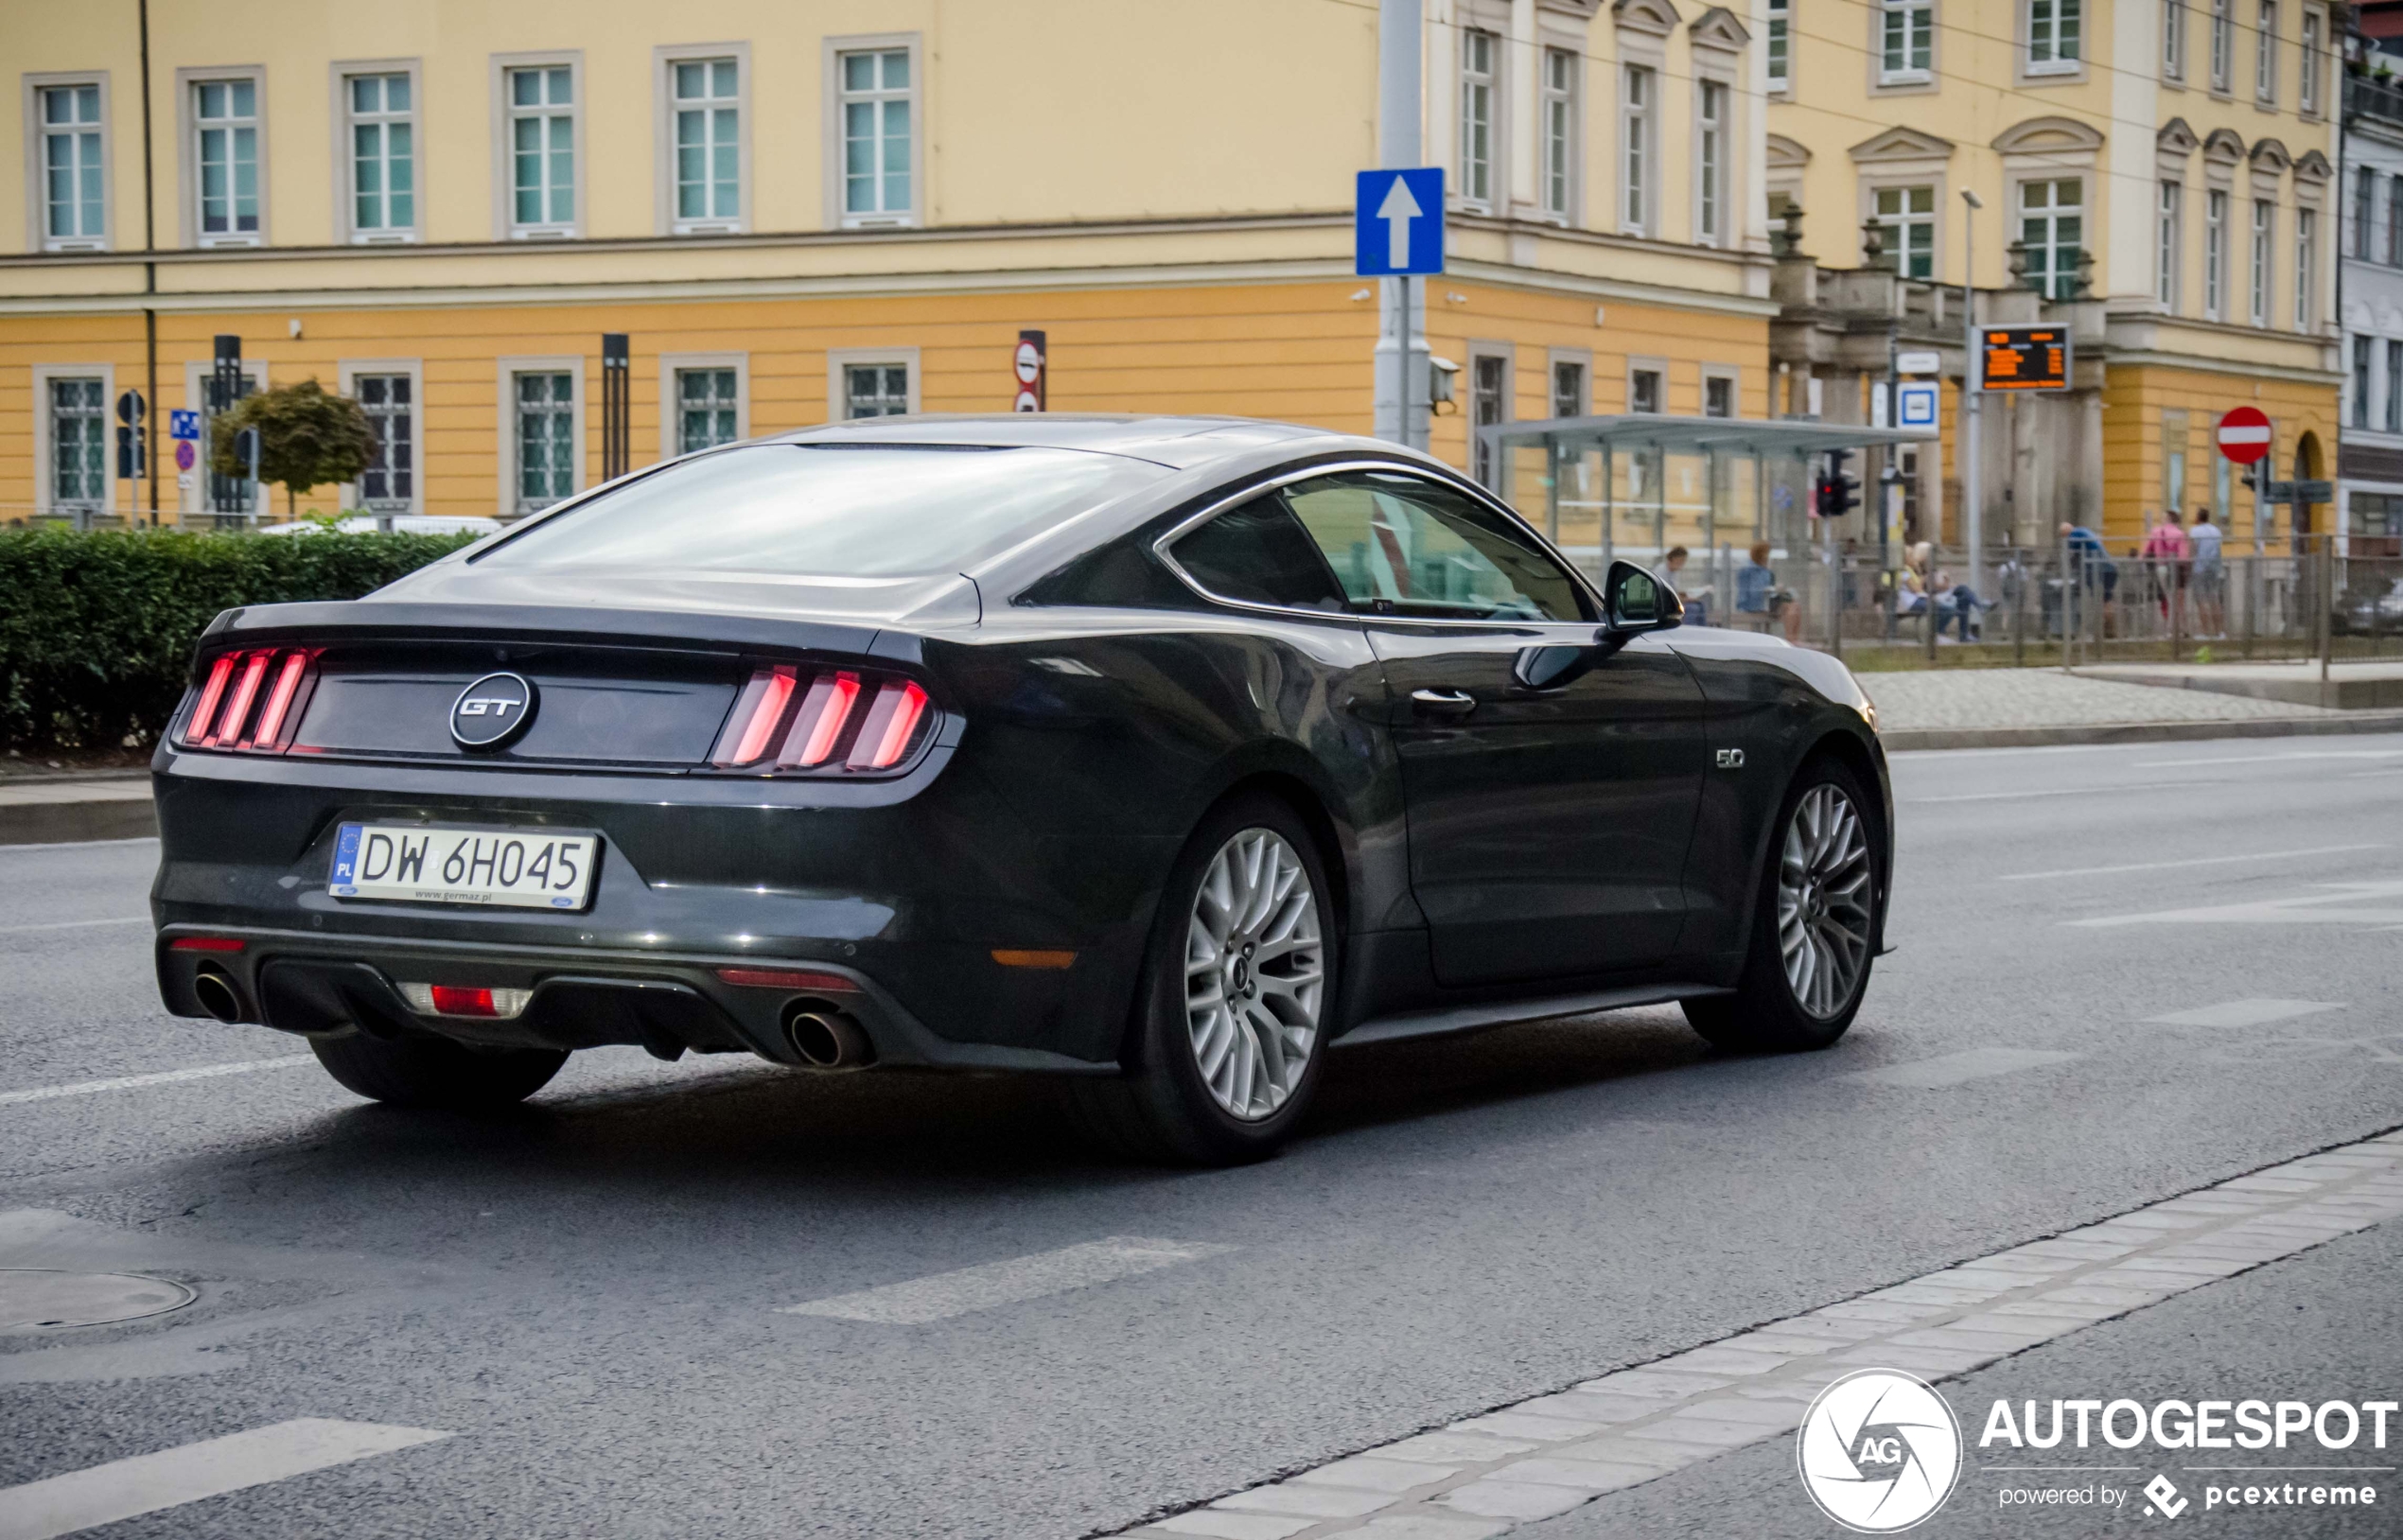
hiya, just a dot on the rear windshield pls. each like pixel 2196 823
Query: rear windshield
pixel 808 510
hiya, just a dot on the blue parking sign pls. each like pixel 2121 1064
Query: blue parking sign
pixel 1917 403
pixel 1398 222
pixel 183 425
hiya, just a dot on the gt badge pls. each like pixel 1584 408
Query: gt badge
pixel 492 712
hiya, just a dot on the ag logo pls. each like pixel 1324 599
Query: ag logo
pixel 492 711
pixel 1879 1451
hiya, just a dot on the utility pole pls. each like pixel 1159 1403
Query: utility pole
pixel 1973 511
pixel 1401 367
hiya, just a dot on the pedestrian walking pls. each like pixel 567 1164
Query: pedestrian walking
pixel 2211 578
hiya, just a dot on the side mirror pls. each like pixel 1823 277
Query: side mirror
pixel 1636 600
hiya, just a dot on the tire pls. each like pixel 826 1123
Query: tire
pixel 1229 1089
pixel 1771 1011
pixel 436 1073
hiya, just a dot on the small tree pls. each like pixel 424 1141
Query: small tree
pixel 307 438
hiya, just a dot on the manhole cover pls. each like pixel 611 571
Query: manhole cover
pixel 37 1298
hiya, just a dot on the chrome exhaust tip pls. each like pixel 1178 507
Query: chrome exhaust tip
pixel 825 1038
pixel 217 995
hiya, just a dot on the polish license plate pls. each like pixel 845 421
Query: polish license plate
pixel 521 868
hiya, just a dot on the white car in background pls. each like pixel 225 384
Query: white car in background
pixel 401 524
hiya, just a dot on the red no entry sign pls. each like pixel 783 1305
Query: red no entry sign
pixel 2244 434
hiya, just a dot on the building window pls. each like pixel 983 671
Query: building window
pixel 875 390
pixel 1643 390
pixel 1907 50
pixel 876 98
pixel 2265 225
pixel 225 151
pixel 1710 162
pixel 2307 93
pixel 2365 196
pixel 2265 53
pixel 383 158
pixel 2052 36
pixel 546 438
pixel 2168 251
pixel 2173 40
pixel 542 151
pixel 1635 137
pixel 73 203
pixel 2393 386
pixel 709 152
pixel 2223 44
pixel 1560 131
pixel 705 416
pixel 1568 388
pixel 390 480
pixel 1489 403
pixel 2307 268
pixel 1908 214
pixel 2361 381
pixel 79 445
pixel 2215 255
pixel 2175 429
pixel 1781 44
pixel 2052 230
pixel 2394 221
pixel 1718 396
pixel 1477 51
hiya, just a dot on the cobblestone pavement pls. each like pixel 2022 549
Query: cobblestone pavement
pixel 2047 698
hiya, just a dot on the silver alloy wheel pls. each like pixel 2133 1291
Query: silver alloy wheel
pixel 1254 973
pixel 1824 881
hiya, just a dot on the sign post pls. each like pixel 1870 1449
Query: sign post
pixel 132 460
pixel 1030 366
pixel 1397 233
pixel 2244 436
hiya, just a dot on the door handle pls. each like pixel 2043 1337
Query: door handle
pixel 1443 702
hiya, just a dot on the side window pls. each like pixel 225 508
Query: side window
pixel 1257 554
pixel 1403 546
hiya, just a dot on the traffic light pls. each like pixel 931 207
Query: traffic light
pixel 1836 493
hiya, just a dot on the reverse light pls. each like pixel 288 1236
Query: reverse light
pixel 788 978
pixel 459 1000
pixel 839 717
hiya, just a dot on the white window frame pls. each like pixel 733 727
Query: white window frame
pixel 1638 149
pixel 2173 41
pixel 349 370
pixel 2052 214
pixel 37 169
pixel 670 401
pixel 2217 202
pixel 2044 53
pixel 570 364
pixel 2262 254
pixel 2170 244
pixel 2360 355
pixel 2362 208
pixel 188 83
pixel 2306 267
pixel 1562 119
pixel 346 161
pixel 1507 404
pixel 1734 378
pixel 1480 86
pixel 44 499
pixel 2223 46
pixel 505 179
pixel 1581 359
pixel 2312 69
pixel 1779 55
pixel 2265 53
pixel 664 61
pixel 1916 17
pixel 2391 419
pixel 1714 161
pixel 833 51
pixel 1899 226
pixel 1659 369
pixel 840 359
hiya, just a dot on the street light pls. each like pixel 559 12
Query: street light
pixel 1973 516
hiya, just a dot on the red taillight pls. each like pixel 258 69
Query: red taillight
pixel 824 710
pixel 752 726
pixel 788 978
pixel 205 943
pixel 196 730
pixel 892 722
pixel 451 999
pixel 228 728
pixel 273 679
pixel 279 701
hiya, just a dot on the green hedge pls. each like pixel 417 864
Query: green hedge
pixel 97 629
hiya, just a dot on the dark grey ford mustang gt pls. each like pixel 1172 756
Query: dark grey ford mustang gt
pixel 1159 755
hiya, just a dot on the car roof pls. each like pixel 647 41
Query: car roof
pixel 1179 442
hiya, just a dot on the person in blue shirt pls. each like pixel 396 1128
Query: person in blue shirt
pixel 2089 566
pixel 1757 593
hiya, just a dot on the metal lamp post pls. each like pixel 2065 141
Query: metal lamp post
pixel 1972 509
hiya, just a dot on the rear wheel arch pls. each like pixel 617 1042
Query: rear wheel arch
pixel 1331 837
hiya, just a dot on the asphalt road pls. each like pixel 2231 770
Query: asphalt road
pixel 587 1296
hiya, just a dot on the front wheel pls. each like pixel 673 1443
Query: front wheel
pixel 436 1072
pixel 1815 923
pixel 1239 983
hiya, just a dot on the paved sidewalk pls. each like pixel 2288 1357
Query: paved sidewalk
pixel 2049 698
pixel 52 811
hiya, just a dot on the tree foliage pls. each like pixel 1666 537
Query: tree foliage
pixel 307 438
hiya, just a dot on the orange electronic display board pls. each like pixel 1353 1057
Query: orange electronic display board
pixel 2025 358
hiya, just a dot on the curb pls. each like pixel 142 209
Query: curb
pixel 43 820
pixel 1905 740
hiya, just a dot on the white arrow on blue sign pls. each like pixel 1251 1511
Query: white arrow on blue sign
pixel 1398 222
pixel 183 425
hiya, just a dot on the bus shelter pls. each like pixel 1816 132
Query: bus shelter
pixel 1638 484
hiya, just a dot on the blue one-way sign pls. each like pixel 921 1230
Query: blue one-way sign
pixel 1399 224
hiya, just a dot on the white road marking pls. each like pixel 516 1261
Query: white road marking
pixel 2067 791
pixel 78 844
pixel 146 1484
pixel 136 1083
pixel 2277 758
pixel 1954 1069
pixel 74 924
pixel 1639 1424
pixel 943 1295
pixel 2199 861
pixel 2246 1013
pixel 2327 908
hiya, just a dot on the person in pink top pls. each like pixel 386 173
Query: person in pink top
pixel 2168 552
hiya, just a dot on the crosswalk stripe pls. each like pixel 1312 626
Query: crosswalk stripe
pixel 942 1295
pixel 125 1489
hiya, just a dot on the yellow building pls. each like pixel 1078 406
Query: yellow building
pixel 810 211
pixel 2154 175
